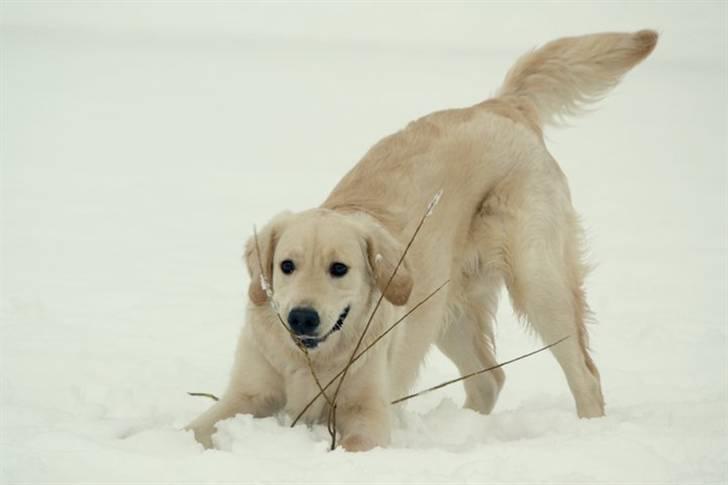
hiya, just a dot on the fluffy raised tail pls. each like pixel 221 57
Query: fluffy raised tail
pixel 565 74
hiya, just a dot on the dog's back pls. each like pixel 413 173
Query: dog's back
pixel 555 80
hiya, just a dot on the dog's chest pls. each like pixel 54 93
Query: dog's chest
pixel 300 388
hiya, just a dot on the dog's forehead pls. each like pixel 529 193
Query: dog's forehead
pixel 325 232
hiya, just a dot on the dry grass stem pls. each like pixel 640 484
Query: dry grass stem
pixel 331 424
pixel 420 393
pixel 204 394
pixel 473 374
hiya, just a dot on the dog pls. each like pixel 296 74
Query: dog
pixel 505 218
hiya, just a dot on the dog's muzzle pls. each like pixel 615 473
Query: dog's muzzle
pixel 311 342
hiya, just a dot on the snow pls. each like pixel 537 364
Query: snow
pixel 140 143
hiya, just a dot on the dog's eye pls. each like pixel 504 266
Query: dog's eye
pixel 287 266
pixel 337 270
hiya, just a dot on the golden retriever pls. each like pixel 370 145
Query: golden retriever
pixel 505 217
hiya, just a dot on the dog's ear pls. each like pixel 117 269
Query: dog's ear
pixel 383 252
pixel 267 239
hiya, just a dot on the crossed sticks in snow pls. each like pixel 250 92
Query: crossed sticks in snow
pixel 356 354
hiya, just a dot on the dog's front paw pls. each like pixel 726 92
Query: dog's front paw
pixel 203 436
pixel 358 442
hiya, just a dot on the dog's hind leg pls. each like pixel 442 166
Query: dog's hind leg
pixel 468 343
pixel 545 281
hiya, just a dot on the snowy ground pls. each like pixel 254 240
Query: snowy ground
pixel 140 144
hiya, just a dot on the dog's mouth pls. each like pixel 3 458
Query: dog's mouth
pixel 312 342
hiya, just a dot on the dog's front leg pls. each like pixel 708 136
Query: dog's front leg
pixel 364 425
pixel 255 388
pixel 363 414
pixel 228 406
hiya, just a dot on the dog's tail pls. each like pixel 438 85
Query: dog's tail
pixel 564 75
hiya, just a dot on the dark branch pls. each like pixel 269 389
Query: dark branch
pixel 473 374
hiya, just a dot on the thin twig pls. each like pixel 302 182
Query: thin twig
pixel 473 374
pixel 428 213
pixel 331 424
pixel 410 396
pixel 204 394
pixel 366 349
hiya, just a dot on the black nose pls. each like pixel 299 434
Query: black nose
pixel 303 321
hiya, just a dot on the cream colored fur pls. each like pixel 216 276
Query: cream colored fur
pixel 505 218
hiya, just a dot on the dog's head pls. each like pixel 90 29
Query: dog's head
pixel 326 270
